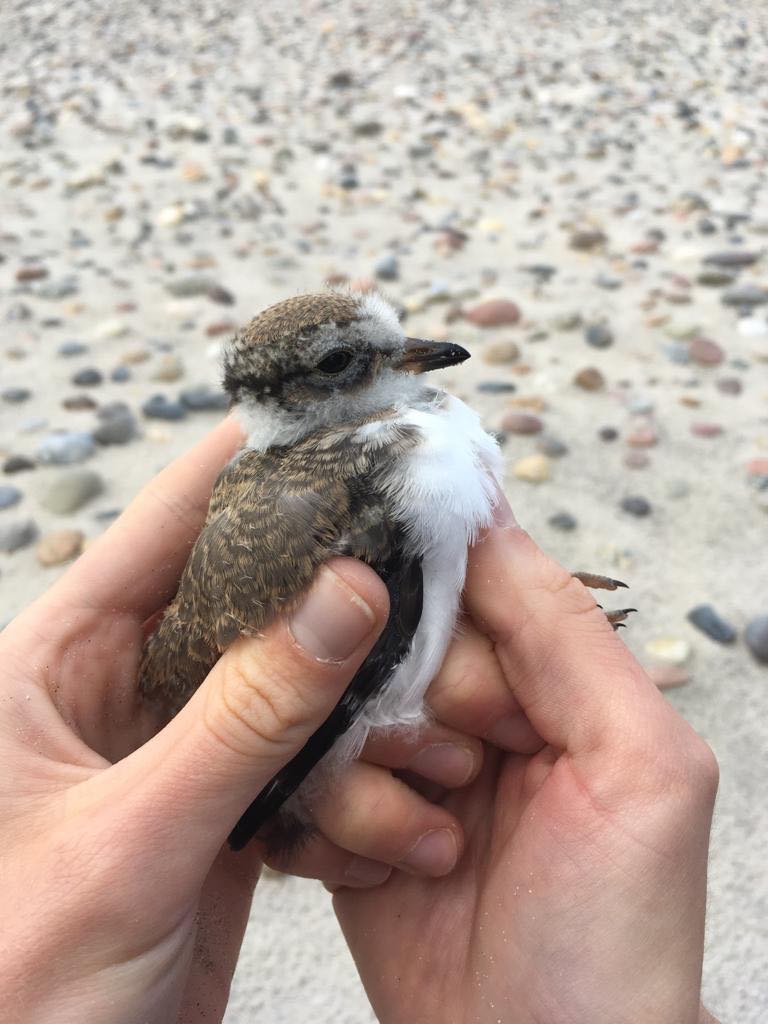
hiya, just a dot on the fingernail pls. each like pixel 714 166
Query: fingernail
pixel 332 620
pixel 434 854
pixel 362 871
pixel 444 763
pixel 514 732
pixel 502 512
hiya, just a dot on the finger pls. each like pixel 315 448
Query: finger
pixel 135 566
pixel 471 694
pixel 575 680
pixel 323 860
pixel 375 815
pixel 263 699
pixel 434 752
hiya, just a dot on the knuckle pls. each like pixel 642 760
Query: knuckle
pixel 266 708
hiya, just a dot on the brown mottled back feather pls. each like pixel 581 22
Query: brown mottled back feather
pixel 274 517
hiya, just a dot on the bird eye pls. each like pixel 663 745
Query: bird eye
pixel 336 361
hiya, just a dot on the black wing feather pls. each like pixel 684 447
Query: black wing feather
pixel 403 578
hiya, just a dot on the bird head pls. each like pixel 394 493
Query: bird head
pixel 322 360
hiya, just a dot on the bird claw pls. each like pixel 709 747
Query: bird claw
pixel 596 582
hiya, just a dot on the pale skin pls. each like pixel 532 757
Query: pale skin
pixel 580 834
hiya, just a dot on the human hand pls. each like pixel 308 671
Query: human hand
pixel 580 896
pixel 118 902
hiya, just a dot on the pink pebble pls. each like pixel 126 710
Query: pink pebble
pixel 706 429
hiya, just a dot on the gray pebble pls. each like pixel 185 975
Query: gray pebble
pixel 17 535
pixel 61 289
pixel 563 521
pixel 120 374
pixel 387 268
pixel 636 505
pixel 66 448
pixel 190 287
pixel 756 637
pixel 705 618
pixel 117 424
pixel 496 387
pixel 733 258
pixel 158 407
pixel 677 352
pixel 17 464
pixel 550 445
pixel 68 349
pixel 9 496
pixel 608 281
pixel 598 336
pixel 72 490
pixel 203 397
pixel 15 396
pixel 715 278
pixel 745 295
pixel 88 377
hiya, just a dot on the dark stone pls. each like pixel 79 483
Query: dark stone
pixel 88 377
pixel 636 505
pixel 17 464
pixel 563 521
pixel 14 396
pixel 221 295
pixel 67 349
pixel 203 398
pixel 496 387
pixel 705 618
pixel 732 258
pixel 117 424
pixel 158 407
pixel 120 374
pixel 598 336
pixel 608 433
pixel 756 638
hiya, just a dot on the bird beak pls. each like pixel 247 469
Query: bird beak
pixel 420 356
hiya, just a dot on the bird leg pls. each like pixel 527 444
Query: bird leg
pixel 596 582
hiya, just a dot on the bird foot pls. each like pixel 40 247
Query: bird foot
pixel 594 581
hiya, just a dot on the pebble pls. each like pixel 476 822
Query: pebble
pixel 567 321
pixel 636 505
pixel 112 328
pixel 17 535
pixel 65 448
pixel 715 278
pixel 706 429
pixel 120 374
pixel 168 369
pixel 756 638
pixel 496 387
pixel 493 313
pixel 666 677
pixel 590 379
pixel 598 336
pixel 190 287
pixel 521 423
pixel 534 468
pixel 607 433
pixel 587 239
pixel 643 435
pixel 117 424
pixel 387 268
pixel 677 352
pixel 563 521
pixel 88 377
pixel 79 403
pixel 670 650
pixel 159 407
pixel 733 258
pixel 70 491
pixel 705 618
pixel 15 396
pixel 69 349
pixel 637 460
pixel 9 496
pixel 729 386
pixel 552 446
pixel 17 464
pixel 59 547
pixel 705 352
pixel 499 353
pixel 745 295
pixel 203 398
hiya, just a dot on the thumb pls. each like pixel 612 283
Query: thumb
pixel 260 703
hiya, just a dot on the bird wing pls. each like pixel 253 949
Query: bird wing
pixel 271 523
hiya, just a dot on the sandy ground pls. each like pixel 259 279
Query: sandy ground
pixel 137 153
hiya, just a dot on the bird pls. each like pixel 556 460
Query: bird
pixel 351 448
